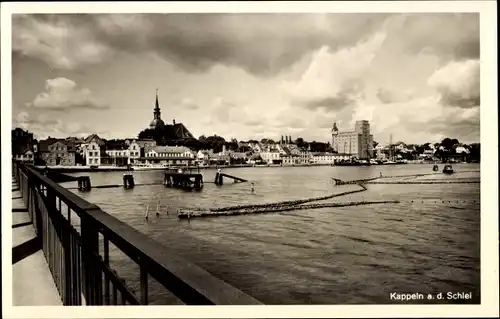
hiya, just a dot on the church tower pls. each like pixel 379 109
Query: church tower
pixel 157 121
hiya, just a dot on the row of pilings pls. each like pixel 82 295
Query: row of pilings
pixel 85 185
pixel 186 214
pixel 272 207
pixel 288 203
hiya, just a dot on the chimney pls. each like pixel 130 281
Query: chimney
pixel 173 121
pixel 290 139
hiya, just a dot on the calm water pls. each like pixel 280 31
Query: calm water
pixel 351 255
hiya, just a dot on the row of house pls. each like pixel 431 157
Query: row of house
pixel 97 152
pixel 401 149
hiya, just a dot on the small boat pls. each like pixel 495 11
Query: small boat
pixel 435 168
pixel 448 169
pixel 364 162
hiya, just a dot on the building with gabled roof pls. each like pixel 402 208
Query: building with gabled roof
pixel 55 152
pixel 94 138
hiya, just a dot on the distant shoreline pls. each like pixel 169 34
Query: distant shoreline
pixel 85 169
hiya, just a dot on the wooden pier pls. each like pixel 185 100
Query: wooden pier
pixel 183 179
pixel 219 178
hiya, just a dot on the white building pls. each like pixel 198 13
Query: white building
pixel 327 158
pixel 204 156
pixel 380 151
pixel 461 149
pixel 290 160
pixel 132 152
pixel 92 154
pixel 146 144
pixel 26 156
pixel 170 155
pixel 270 156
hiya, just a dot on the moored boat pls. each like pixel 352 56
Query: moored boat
pixel 448 169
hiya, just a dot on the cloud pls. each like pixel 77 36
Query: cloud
pixel 450 36
pixel 458 83
pixel 262 44
pixel 423 118
pixel 188 103
pixel 62 94
pixel 406 73
pixel 196 42
pixel 63 42
pixel 332 80
pixel 387 96
pixel 44 125
pixel 223 110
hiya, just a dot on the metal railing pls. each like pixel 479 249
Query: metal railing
pixel 79 260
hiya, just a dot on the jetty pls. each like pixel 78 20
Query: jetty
pixel 219 178
pixel 186 179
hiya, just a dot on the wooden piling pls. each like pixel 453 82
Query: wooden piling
pixel 128 181
pixel 84 183
pixel 183 180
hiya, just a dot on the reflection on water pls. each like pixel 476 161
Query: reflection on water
pixel 344 255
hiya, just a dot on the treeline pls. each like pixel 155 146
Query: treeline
pixel 445 150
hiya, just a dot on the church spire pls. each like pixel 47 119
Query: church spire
pixel 157 106
pixel 157 122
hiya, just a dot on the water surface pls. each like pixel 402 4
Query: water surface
pixel 344 255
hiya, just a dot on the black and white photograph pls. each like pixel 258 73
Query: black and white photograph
pixel 168 156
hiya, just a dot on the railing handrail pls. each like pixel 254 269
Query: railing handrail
pixel 189 282
pixel 73 200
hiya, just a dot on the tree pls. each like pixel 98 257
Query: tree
pixel 244 149
pixel 267 141
pixel 215 143
pixel 475 152
pixel 419 149
pixel 233 145
pixel 448 143
pixel 300 142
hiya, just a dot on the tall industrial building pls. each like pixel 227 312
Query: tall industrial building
pixel 357 143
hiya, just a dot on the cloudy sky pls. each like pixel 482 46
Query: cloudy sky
pixel 249 75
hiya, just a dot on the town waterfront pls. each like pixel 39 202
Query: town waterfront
pixel 346 255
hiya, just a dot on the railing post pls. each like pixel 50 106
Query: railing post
pixel 91 273
pixel 29 204
pixel 144 284
pixel 68 269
